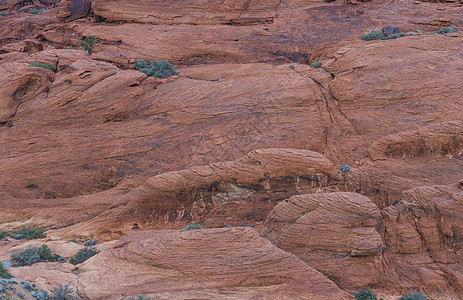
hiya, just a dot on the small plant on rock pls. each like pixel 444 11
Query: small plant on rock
pixel 4 272
pixel 373 35
pixel 29 233
pixel 414 296
pixel 446 30
pixel 83 254
pixel 139 297
pixel 45 66
pixel 37 11
pixel 3 14
pixel 316 65
pixel 2 234
pixel 193 226
pixel 63 293
pixel 88 43
pixel 156 69
pixel 365 294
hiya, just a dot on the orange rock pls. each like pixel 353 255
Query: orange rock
pixel 335 233
pixel 233 263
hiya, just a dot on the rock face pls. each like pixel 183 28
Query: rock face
pixel 236 191
pixel 422 234
pixel 272 98
pixel 188 11
pixel 234 263
pixel 70 10
pixel 336 233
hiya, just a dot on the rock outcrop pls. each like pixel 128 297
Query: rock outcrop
pixel 335 233
pixel 230 263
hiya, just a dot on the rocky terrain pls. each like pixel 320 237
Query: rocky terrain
pixel 288 159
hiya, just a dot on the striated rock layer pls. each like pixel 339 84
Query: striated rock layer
pixel 229 263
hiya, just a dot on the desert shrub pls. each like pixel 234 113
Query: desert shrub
pixel 316 65
pixel 373 35
pixel 91 243
pixel 83 254
pixel 414 296
pixel 45 66
pixel 395 36
pixel 345 168
pixel 36 12
pixel 63 293
pixel 157 69
pixel 2 234
pixel 88 43
pixel 4 272
pixel 193 226
pixel 32 255
pixel 139 297
pixel 40 295
pixel 365 294
pixel 446 30
pixel 378 35
pixel 3 14
pixel 27 286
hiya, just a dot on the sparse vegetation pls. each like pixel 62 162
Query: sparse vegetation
pixel 139 297
pixel 4 272
pixel 63 293
pixel 446 30
pixel 36 12
pixel 156 69
pixel 414 296
pixel 45 66
pixel 32 255
pixel 378 35
pixel 316 65
pixel 88 43
pixel 2 14
pixel 193 226
pixel 365 294
pixel 373 35
pixel 29 233
pixel 2 234
pixel 83 254
pixel 345 168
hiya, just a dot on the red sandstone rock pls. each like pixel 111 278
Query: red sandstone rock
pixel 335 233
pixel 234 263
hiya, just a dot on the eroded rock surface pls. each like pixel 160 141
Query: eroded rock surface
pixel 231 263
pixel 336 233
pixel 247 132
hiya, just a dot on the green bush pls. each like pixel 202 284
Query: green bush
pixel 414 296
pixel 4 272
pixel 3 14
pixel 365 294
pixel 316 65
pixel 193 226
pixel 139 297
pixel 2 234
pixel 83 254
pixel 29 233
pixel 446 30
pixel 156 69
pixel 32 255
pixel 377 35
pixel 63 293
pixel 36 12
pixel 45 66
pixel 88 43
pixel 373 35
